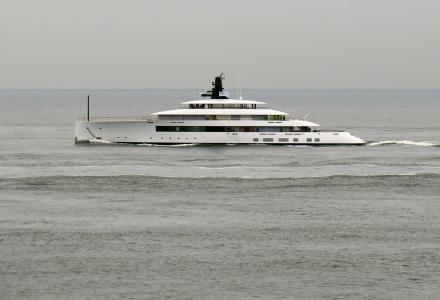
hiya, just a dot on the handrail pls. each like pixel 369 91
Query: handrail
pixel 124 118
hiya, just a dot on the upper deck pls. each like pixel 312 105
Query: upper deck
pixel 218 111
pixel 222 107
pixel 223 104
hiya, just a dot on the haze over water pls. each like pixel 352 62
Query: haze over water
pixel 221 222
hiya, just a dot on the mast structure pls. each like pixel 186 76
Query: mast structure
pixel 217 89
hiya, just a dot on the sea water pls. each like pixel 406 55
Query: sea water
pixel 108 221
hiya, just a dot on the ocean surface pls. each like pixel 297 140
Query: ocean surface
pixel 110 221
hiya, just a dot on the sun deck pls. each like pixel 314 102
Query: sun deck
pixel 202 111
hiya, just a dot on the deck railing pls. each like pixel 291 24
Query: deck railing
pixel 149 119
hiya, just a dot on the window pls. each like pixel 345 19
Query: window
pixel 267 140
pixel 270 130
pixel 317 139
pixel 283 140
pixel 275 117
pixel 295 140
pixel 191 128
pixel 255 139
pixel 309 140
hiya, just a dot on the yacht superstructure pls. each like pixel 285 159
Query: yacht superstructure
pixel 217 120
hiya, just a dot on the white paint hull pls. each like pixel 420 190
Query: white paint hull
pixel 137 132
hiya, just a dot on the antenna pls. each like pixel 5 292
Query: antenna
pixel 88 108
pixel 240 89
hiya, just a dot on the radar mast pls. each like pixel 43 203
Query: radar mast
pixel 217 89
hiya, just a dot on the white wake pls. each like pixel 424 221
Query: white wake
pixel 407 143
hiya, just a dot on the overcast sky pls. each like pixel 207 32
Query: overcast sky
pixel 184 43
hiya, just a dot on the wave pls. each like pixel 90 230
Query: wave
pixel 99 141
pixel 170 145
pixel 298 146
pixel 370 143
pixel 406 143
pixel 339 176
pixel 246 185
pixel 221 167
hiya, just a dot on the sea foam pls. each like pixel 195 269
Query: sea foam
pixel 406 142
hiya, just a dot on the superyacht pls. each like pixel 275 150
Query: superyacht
pixel 217 120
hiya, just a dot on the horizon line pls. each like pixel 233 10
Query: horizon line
pixel 233 89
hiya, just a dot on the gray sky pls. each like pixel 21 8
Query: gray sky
pixel 184 43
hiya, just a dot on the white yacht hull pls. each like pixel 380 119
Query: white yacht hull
pixel 144 132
